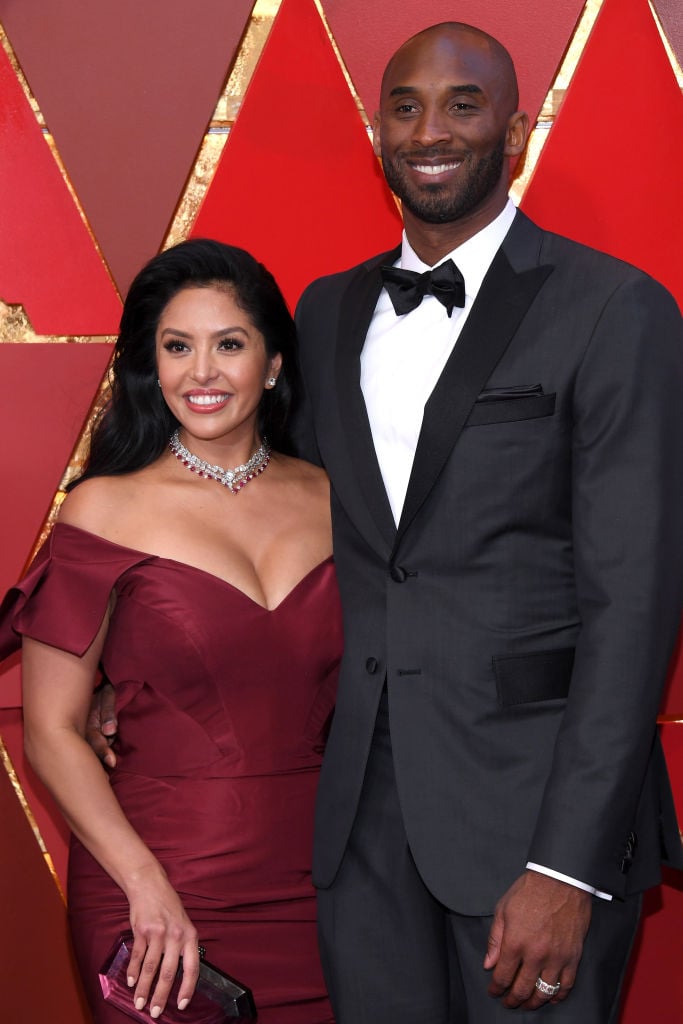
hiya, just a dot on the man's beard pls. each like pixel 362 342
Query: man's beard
pixel 434 204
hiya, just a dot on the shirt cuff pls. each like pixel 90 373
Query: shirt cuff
pixel 570 881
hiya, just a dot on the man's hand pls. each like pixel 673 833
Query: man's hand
pixel 100 730
pixel 538 930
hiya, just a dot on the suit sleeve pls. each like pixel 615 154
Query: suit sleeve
pixel 627 523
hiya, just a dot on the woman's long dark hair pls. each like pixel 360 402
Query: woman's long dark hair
pixel 134 427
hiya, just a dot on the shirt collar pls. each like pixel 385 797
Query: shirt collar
pixel 474 257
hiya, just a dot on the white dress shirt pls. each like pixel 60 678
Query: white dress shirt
pixel 401 362
pixel 403 356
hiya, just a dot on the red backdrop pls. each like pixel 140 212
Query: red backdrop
pixel 127 91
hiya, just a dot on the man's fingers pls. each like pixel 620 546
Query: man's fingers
pixel 107 708
pixel 102 724
pixel 538 931
pixel 538 997
pixel 501 955
pixel 567 980
pixel 509 962
pixel 523 991
pixel 100 744
pixel 517 985
pixel 494 943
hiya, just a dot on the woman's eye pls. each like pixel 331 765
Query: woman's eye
pixel 175 346
pixel 229 344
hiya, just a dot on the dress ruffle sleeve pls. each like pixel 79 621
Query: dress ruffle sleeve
pixel 62 599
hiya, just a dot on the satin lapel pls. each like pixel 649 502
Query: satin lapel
pixel 499 308
pixel 367 487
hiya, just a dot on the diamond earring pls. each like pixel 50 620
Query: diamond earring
pixel 271 382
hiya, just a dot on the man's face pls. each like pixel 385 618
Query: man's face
pixel 443 127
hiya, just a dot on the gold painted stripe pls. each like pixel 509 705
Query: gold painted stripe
pixel 222 121
pixel 551 105
pixel 26 89
pixel 345 70
pixel 74 467
pixel 678 71
pixel 6 761
pixel 16 329
pixel 558 89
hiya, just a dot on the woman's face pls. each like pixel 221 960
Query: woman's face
pixel 212 365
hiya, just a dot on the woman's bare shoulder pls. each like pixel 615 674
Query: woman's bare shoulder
pixel 305 473
pixel 99 501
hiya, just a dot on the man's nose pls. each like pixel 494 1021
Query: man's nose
pixel 432 128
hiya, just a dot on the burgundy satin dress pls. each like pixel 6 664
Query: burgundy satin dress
pixel 223 711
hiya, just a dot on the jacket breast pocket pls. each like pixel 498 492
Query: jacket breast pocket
pixel 541 675
pixel 504 405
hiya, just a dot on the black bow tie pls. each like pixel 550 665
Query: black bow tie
pixel 407 288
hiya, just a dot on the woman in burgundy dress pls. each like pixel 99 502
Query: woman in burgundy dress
pixel 192 563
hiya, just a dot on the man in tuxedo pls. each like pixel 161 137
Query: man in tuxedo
pixel 503 432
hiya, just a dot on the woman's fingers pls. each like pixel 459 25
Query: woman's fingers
pixel 190 974
pixel 153 967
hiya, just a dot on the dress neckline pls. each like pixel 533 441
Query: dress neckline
pixel 219 580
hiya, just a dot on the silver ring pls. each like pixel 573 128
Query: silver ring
pixel 545 989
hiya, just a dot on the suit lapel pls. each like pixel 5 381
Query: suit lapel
pixel 498 310
pixel 357 307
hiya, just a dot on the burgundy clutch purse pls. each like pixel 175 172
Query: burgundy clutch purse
pixel 218 998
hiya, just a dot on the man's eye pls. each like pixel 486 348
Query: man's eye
pixel 406 108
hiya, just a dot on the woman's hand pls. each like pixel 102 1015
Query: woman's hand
pixel 57 692
pixel 162 933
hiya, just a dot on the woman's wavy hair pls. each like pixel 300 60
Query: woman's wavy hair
pixel 135 425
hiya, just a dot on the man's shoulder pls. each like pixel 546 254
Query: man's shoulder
pixel 565 252
pixel 584 274
pixel 328 285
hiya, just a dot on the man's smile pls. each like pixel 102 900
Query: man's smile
pixel 434 169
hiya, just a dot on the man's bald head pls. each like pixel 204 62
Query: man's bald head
pixel 466 37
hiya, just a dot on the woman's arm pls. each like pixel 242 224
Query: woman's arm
pixel 57 692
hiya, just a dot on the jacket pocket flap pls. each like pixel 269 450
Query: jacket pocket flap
pixel 515 391
pixel 505 410
pixel 542 675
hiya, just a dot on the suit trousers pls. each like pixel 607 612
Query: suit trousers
pixel 393 954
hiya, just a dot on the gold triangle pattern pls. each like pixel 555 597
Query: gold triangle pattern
pixel 21 78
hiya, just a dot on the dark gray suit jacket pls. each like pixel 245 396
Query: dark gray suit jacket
pixel 524 612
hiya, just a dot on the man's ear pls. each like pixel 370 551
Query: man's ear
pixel 517 133
pixel 376 140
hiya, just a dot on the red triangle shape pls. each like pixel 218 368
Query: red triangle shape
pixel 610 172
pixel 298 184
pixel 127 89
pixel 48 263
pixel 47 391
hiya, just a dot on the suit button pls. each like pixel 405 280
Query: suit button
pixel 398 574
pixel 371 666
